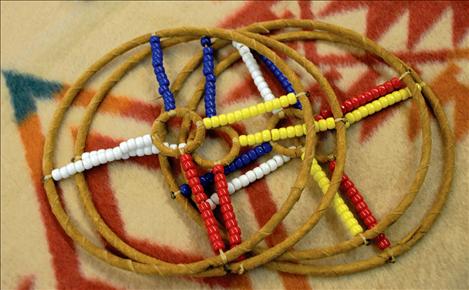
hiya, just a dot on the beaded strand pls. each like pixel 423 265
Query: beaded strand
pixel 250 176
pixel 238 163
pixel 229 217
pixel 325 124
pixel 367 97
pixel 361 207
pixel 341 209
pixel 284 82
pixel 249 112
pixel 158 68
pixel 210 79
pixel 192 176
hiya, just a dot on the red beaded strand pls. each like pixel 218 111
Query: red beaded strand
pixel 361 207
pixel 192 176
pixel 229 217
pixel 357 101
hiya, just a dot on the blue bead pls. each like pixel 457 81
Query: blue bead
pixel 267 147
pixel 185 190
pixel 297 105
pixel 252 154
pixel 245 158
pixel 211 78
pixel 239 163
pixel 208 50
pixel 207 70
pixel 260 151
pixel 205 41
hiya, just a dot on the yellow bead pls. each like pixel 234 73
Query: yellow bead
pixel 223 119
pixel 350 118
pixel 246 114
pixel 253 111
pixel 231 118
pixel 357 115
pixel 207 123
pixel 350 223
pixel 348 215
pixel 323 182
pixel 377 105
pixel 298 130
pixel 284 101
pixel 243 140
pixel 291 131
pixel 269 106
pixel 275 134
pixel 319 174
pixel 292 98
pixel 258 137
pixel 324 188
pixel 371 108
pixel 283 133
pixel 398 95
pixel 215 122
pixel 316 126
pixel 260 108
pixel 355 230
pixel 322 125
pixel 238 115
pixel 391 98
pixel 266 135
pixel 330 123
pixel 341 208
pixel 406 93
pixel 304 129
pixel 251 139
pixel 363 111
pixel 276 104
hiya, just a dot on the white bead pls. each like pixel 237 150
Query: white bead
pixel 116 151
pixel 258 172
pixel 87 163
pixel 258 79
pixel 125 156
pixel 285 158
pixel 278 160
pixel 251 176
pixel 244 180
pixel 132 153
pixel 244 50
pixel 94 158
pixel 215 199
pixel 56 174
pixel 140 152
pixel 231 188
pixel 147 151
pixel 256 74
pixel 102 156
pixel 173 146
pixel 272 164
pixel 263 85
pixel 147 140
pixel 79 166
pixel 236 44
pixel 154 150
pixel 124 147
pixel 63 172
pixel 139 142
pixel 132 145
pixel 71 169
pixel 85 155
pixel 109 155
pixel 265 168
pixel 236 183
pixel 182 145
pixel 266 93
pixel 211 203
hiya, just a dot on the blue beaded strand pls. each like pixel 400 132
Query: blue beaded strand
pixel 210 79
pixel 158 68
pixel 284 82
pixel 239 162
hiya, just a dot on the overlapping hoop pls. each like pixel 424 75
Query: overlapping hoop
pixel 280 256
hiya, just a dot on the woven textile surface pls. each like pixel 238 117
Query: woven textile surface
pixel 44 48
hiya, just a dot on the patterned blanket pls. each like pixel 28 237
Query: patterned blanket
pixel 44 48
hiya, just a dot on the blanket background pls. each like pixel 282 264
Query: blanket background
pixel 44 48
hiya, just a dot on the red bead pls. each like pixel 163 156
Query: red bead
pixel 318 117
pixel 214 238
pixel 196 189
pixel 355 102
pixel 186 157
pixel 193 181
pixel 212 230
pixel 342 107
pixel 204 206
pixel 364 213
pixel 374 93
pixel 348 105
pixel 231 223
pixel 191 173
pixel 364 98
pixel 228 215
pixel 234 231
pixel 235 240
pixel 382 90
pixel 331 166
pixel 356 198
pixel 226 207
pixel 370 221
pixel 221 185
pixel 217 246
pixel 351 192
pixel 344 178
pixel 396 83
pixel 224 199
pixel 219 177
pixel 389 87
pixel 210 221
pixel 360 206
pixel 218 169
pixel 223 191
pixel 186 165
pixel 326 113
pixel 347 185
pixel 198 198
